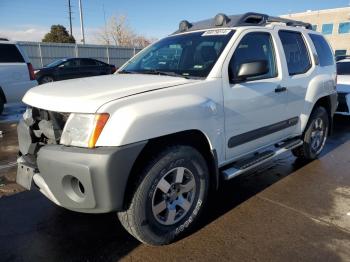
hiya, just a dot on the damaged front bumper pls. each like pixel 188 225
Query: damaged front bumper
pixel 79 179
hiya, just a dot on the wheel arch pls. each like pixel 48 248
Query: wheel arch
pixel 194 138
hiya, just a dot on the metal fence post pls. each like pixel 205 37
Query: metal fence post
pixel 108 59
pixel 41 55
pixel 76 50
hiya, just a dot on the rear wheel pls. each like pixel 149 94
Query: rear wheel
pixel 315 135
pixel 46 79
pixel 169 196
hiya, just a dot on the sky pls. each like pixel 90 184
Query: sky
pixel 29 20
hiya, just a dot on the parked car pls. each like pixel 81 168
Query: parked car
pixel 69 68
pixel 343 86
pixel 16 74
pixel 213 100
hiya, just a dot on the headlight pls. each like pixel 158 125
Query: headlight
pixel 83 130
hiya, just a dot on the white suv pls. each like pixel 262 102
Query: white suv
pixel 213 100
pixel 16 74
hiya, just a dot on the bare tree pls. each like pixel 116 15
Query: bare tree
pixel 118 32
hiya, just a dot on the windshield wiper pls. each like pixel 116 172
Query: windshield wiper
pixel 164 73
pixel 127 72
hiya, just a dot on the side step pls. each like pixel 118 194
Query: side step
pixel 245 165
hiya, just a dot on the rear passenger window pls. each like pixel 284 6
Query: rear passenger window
pixel 298 59
pixel 323 50
pixel 87 62
pixel 10 54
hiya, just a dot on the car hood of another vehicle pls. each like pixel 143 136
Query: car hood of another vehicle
pixel 343 83
pixel 87 95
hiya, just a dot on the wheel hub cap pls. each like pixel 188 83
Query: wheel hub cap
pixel 174 195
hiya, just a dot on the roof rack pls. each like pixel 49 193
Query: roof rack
pixel 247 19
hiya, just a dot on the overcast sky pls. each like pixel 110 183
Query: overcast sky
pixel 30 19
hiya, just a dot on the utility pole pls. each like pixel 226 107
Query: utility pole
pixel 81 22
pixel 70 17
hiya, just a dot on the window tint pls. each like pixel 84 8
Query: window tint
pixel 323 50
pixel 10 54
pixel 87 62
pixel 343 68
pixel 71 63
pixel 254 47
pixel 344 28
pixel 327 29
pixel 297 56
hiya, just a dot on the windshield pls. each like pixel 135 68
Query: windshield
pixel 55 63
pixel 343 68
pixel 188 55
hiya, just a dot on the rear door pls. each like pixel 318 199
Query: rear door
pixel 89 67
pixel 14 74
pixel 255 111
pixel 300 71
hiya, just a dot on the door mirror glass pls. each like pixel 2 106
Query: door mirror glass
pixel 251 69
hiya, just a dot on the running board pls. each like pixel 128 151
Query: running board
pixel 243 166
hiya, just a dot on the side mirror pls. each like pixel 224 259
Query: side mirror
pixel 250 69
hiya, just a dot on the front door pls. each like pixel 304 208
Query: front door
pixel 255 108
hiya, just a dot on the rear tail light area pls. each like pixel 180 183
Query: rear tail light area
pixel 113 69
pixel 31 71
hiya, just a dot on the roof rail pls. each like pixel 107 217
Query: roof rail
pixel 247 19
pixel 288 22
pixel 3 39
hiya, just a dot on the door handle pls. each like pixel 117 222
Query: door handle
pixel 280 89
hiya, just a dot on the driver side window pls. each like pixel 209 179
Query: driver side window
pixel 254 47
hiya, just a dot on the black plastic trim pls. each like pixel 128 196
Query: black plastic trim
pixel 261 132
pixel 2 96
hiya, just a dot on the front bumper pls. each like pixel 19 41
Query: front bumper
pixel 84 180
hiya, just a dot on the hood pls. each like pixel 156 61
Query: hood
pixel 343 83
pixel 86 95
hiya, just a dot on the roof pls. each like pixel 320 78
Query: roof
pixel 247 19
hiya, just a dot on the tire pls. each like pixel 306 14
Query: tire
pixel 315 135
pixel 46 79
pixel 162 209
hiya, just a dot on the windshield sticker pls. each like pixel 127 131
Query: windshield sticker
pixel 217 32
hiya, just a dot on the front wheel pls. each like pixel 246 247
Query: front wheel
pixel 170 194
pixel 315 135
pixel 46 79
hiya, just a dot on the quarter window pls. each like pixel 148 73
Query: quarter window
pixel 314 27
pixel 297 56
pixel 344 28
pixel 10 54
pixel 327 29
pixel 323 50
pixel 254 47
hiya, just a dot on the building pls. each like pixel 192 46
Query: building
pixel 333 23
